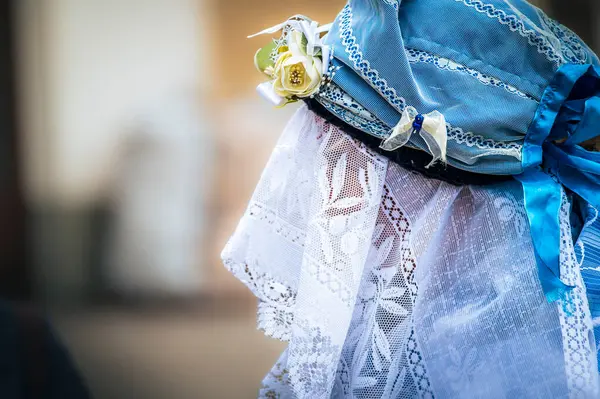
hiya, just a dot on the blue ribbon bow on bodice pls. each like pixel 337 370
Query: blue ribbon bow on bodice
pixel 568 114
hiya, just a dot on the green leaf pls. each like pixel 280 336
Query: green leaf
pixel 303 43
pixel 262 58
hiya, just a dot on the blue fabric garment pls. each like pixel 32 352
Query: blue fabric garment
pixel 519 92
pixel 569 101
pixel 483 64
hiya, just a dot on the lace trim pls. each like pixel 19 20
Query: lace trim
pixel 515 24
pixel 356 121
pixel 275 321
pixel 416 56
pixel 381 357
pixel 317 350
pixel 339 103
pixel 276 299
pixel 408 265
pixel 407 371
pixel 363 66
pixel 276 384
pixel 587 252
pixel 575 317
pixel 389 93
pixel 571 49
pixel 312 351
pixel 333 93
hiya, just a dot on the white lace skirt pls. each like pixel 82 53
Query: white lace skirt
pixel 387 284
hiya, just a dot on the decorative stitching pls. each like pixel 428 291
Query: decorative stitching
pixel 517 25
pixel 572 48
pixel 341 104
pixel 415 56
pixel 363 66
pixel 389 93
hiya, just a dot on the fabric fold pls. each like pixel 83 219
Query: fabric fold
pixel 569 104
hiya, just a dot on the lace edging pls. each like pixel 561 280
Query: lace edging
pixel 515 24
pixel 571 50
pixel 371 75
pixel 416 56
pixel 276 299
pixel 408 265
pixel 574 313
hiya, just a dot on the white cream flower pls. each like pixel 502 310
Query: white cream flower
pixel 297 74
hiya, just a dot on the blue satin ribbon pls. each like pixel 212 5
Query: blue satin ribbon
pixel 568 114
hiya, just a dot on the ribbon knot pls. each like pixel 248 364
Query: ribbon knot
pixel 568 114
pixel 430 127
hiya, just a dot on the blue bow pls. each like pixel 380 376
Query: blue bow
pixel 568 114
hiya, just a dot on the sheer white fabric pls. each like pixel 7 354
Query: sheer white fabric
pixel 387 284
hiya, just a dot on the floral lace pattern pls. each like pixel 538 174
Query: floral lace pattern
pixel 344 205
pixel 311 352
pixel 363 320
pixel 587 251
pixel 276 299
pixel 408 264
pixel 381 358
pixel 276 384
pixel 511 211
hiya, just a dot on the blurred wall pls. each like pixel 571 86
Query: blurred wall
pixel 90 68
pixel 90 71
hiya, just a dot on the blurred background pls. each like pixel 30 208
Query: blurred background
pixel 131 140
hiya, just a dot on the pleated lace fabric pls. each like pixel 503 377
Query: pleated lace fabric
pixel 387 284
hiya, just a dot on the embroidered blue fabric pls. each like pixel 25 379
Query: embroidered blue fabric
pixel 485 66
pixel 519 92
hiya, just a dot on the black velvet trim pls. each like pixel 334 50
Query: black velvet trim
pixel 409 158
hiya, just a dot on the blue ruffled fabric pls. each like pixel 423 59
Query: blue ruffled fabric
pixel 520 93
pixel 484 65
pixel 552 158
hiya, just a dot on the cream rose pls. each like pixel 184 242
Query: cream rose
pixel 297 74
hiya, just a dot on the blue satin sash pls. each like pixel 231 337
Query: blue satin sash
pixel 568 114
